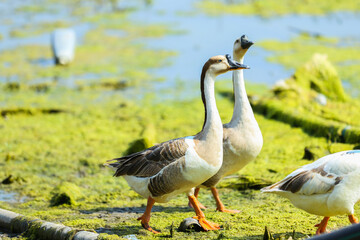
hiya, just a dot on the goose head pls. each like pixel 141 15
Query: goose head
pixel 221 64
pixel 241 45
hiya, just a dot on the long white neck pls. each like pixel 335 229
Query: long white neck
pixel 212 124
pixel 242 108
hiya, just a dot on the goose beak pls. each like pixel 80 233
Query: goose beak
pixel 235 65
pixel 245 42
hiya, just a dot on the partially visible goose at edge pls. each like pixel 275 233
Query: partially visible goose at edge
pixel 242 140
pixel 177 166
pixel 327 187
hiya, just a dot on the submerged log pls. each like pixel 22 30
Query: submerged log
pixel 17 223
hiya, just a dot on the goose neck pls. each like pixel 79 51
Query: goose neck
pixel 242 107
pixel 212 123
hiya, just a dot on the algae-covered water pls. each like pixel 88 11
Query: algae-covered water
pixel 134 82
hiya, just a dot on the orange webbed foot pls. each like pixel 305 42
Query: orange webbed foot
pixel 207 225
pixel 227 210
pixel 145 225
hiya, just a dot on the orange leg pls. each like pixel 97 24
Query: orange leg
pixel 196 193
pixel 219 205
pixel 322 225
pixel 145 218
pixel 200 216
pixel 353 219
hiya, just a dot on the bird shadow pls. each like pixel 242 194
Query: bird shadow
pixel 284 235
pixel 137 210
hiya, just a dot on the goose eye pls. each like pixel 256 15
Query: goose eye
pixel 219 60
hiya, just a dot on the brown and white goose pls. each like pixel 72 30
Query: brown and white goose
pixel 177 166
pixel 242 140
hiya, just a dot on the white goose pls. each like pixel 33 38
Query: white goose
pixel 327 187
pixel 242 140
pixel 176 166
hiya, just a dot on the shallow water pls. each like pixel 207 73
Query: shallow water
pixel 202 36
pixel 7 197
pixel 11 197
pixel 206 36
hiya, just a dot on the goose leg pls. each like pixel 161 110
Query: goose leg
pixel 219 205
pixel 353 219
pixel 196 193
pixel 322 225
pixel 200 216
pixel 145 218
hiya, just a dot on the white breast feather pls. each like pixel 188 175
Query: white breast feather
pixel 197 170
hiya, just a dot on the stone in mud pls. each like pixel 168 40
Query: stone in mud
pixel 190 224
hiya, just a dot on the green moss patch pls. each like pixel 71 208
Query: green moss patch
pixel 243 182
pixel 66 193
pixel 93 223
pixel 29 30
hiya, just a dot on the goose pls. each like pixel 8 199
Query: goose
pixel 327 187
pixel 177 166
pixel 242 139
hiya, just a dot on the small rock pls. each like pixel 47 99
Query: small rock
pixel 190 224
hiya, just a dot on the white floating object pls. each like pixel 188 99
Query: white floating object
pixel 63 45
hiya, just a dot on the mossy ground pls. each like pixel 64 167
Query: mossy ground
pixel 45 150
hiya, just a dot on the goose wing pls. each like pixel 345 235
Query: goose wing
pixel 149 161
pixel 321 176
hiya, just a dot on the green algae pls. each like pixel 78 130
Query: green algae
pixel 343 53
pixel 29 30
pixel 320 75
pixel 66 193
pixel 86 223
pixel 294 102
pixel 271 8
pixel 33 9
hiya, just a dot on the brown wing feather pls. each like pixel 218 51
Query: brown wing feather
pixel 308 182
pixel 150 161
